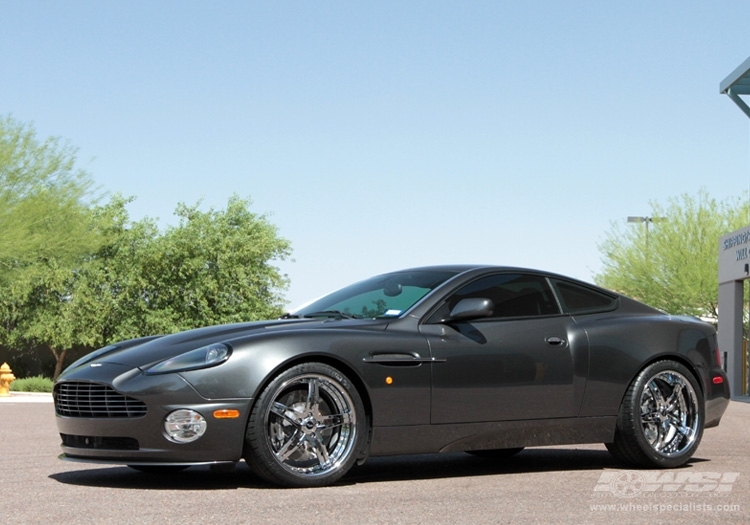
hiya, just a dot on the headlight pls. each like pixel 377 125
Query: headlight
pixel 184 426
pixel 203 357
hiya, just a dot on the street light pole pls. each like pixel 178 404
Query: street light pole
pixel 646 221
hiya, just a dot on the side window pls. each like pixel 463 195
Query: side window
pixel 578 299
pixel 513 295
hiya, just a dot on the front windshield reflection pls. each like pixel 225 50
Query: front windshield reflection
pixel 388 295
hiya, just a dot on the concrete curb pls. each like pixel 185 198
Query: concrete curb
pixel 27 397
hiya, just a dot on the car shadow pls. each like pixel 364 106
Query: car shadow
pixel 375 470
pixel 194 478
pixel 456 465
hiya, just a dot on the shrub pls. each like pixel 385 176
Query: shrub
pixel 32 384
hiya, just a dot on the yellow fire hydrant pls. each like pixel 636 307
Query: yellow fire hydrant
pixel 6 378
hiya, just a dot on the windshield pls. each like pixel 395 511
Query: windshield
pixel 387 295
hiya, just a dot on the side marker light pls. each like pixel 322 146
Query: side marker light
pixel 226 414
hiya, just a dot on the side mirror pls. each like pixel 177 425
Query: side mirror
pixel 473 308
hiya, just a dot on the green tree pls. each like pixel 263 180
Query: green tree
pixel 37 310
pixel 44 198
pixel 61 304
pixel 109 290
pixel 74 275
pixel 215 267
pixel 671 261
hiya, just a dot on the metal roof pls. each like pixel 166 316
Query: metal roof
pixel 738 81
pixel 736 84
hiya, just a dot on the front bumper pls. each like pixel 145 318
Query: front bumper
pixel 142 439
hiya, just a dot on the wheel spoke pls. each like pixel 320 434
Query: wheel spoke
pixel 684 430
pixel 291 445
pixel 656 394
pixel 286 413
pixel 320 451
pixel 313 394
pixel 675 397
pixel 650 416
pixel 661 439
pixel 334 420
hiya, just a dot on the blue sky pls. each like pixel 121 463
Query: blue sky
pixel 392 134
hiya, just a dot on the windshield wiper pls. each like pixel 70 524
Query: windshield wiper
pixel 331 313
pixel 289 316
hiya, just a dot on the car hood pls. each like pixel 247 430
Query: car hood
pixel 149 351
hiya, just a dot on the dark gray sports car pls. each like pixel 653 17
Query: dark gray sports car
pixel 481 359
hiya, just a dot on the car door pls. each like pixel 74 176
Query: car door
pixel 525 360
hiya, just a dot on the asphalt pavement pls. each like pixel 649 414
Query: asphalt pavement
pixel 571 484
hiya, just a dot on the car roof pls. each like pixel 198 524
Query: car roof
pixel 463 268
pixel 460 268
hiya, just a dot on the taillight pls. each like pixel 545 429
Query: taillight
pixel 718 356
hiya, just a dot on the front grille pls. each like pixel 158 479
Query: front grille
pixel 92 400
pixel 99 442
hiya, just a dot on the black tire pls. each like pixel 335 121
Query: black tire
pixel 496 453
pixel 307 427
pixel 161 470
pixel 661 418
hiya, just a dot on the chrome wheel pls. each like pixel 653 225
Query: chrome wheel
pixel 661 417
pixel 669 413
pixel 307 427
pixel 311 424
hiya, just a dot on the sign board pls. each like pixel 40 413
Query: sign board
pixel 734 256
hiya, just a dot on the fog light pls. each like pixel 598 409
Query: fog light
pixel 184 426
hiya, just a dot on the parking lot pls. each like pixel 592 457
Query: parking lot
pixel 572 484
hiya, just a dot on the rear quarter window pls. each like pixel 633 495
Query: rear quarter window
pixel 577 299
